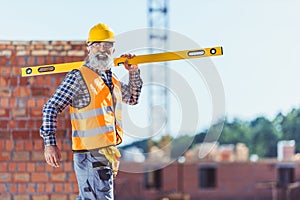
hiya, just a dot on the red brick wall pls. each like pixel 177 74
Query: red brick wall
pixel 23 172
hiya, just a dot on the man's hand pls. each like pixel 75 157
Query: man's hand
pixel 128 66
pixel 111 153
pixel 52 155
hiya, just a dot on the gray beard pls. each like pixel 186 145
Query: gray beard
pixel 99 63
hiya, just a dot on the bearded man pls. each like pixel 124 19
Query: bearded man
pixel 94 95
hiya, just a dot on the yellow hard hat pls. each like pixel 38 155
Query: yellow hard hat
pixel 101 32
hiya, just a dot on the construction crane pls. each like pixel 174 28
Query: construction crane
pixel 158 22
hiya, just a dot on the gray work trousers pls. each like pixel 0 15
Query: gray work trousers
pixel 94 177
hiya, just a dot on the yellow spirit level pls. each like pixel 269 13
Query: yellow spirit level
pixel 140 59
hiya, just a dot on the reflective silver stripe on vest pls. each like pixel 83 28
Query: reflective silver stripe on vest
pixel 119 123
pixel 93 132
pixel 91 113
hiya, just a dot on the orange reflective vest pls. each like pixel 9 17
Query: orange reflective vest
pixel 98 124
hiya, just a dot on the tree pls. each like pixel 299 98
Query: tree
pixel 290 127
pixel 264 138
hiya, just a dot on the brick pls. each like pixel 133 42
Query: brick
pixel 39 177
pixel 4 113
pixel 5 134
pixel 5 53
pixel 39 91
pixel 20 134
pixel 59 187
pixel 16 71
pixel 4 61
pixel 22 188
pixel 5 71
pixel 58 177
pixel 76 53
pixel 38 156
pixel 24 81
pixel 21 156
pixel 72 177
pixel 20 102
pixel 21 167
pixel 2 145
pixel 19 145
pixel 3 167
pixel 42 43
pixel 12 124
pixel 19 112
pixel 73 196
pixel 37 125
pixel 22 197
pixel 38 145
pixel 20 47
pixel 32 187
pixel 21 177
pixel 5 91
pixel 4 81
pixel 68 187
pixel 23 53
pixel 36 112
pixel 4 124
pixel 49 168
pixel 59 196
pixel 40 166
pixel 68 166
pixel 28 145
pixel 12 166
pixel 30 167
pixel 10 145
pixel 12 102
pixel 3 188
pixel 5 196
pixel 12 188
pixel 40 197
pixel 39 52
pixel 4 156
pixel 40 188
pixel 31 103
pixel 4 102
pixel 35 134
pixel 5 177
pixel 21 124
pixel 19 43
pixel 40 102
pixel 21 92
pixel 49 187
pixel 13 81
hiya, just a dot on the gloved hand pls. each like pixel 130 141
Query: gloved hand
pixel 111 153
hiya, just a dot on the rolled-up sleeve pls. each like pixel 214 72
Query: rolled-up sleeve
pixel 61 98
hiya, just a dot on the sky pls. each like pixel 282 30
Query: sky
pixel 259 69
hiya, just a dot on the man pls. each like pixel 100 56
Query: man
pixel 94 95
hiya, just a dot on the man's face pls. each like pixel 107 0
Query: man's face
pixel 100 55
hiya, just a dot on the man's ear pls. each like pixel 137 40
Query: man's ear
pixel 88 49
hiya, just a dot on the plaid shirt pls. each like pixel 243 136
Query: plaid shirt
pixel 73 91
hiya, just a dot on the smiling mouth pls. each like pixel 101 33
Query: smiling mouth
pixel 101 56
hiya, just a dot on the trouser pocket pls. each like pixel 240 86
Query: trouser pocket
pixel 105 176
